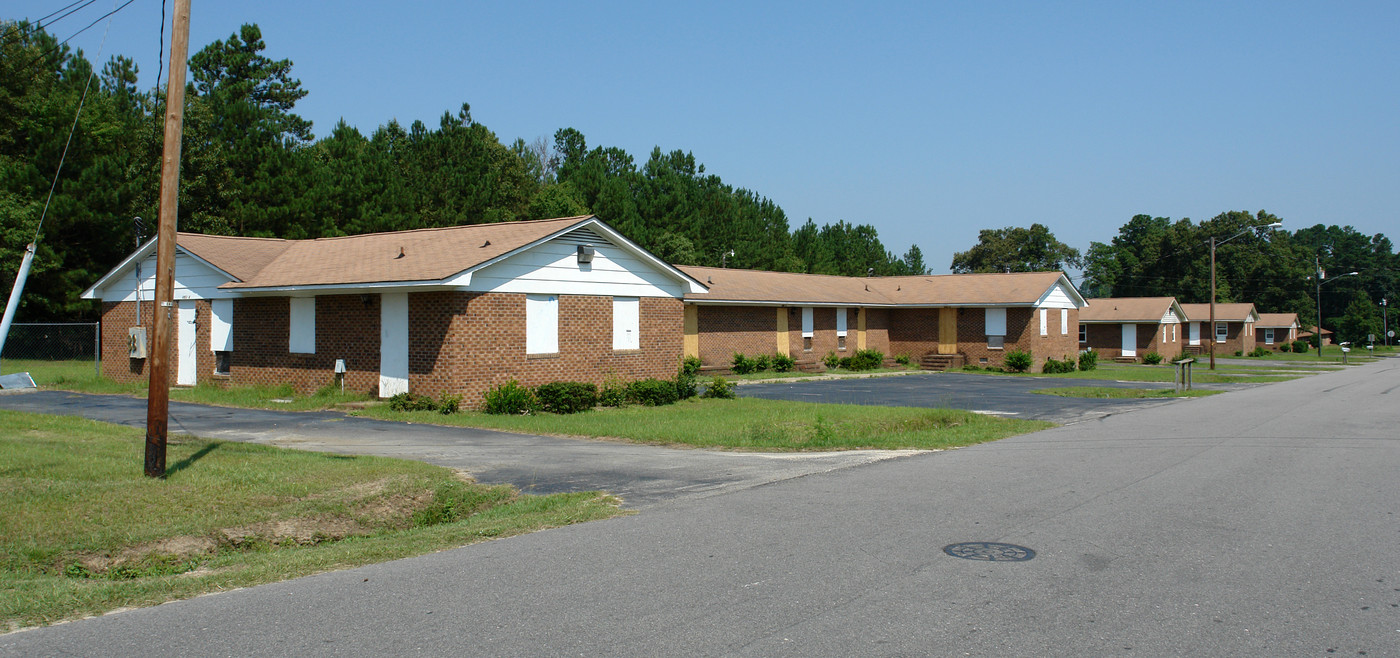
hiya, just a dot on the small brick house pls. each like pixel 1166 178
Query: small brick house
pixel 1233 332
pixel 948 320
pixel 1123 328
pixel 453 310
pixel 1274 329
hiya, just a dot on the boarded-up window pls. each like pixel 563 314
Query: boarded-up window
pixel 627 323
pixel 541 324
pixel 302 335
pixel 1044 322
pixel 806 321
pixel 840 322
pixel 996 322
pixel 221 325
pixel 1064 322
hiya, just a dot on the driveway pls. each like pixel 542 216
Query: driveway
pixel 639 474
pixel 990 394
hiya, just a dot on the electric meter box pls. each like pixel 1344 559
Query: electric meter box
pixel 136 342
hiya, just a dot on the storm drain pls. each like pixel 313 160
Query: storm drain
pixel 989 551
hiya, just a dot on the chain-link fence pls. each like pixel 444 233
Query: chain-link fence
pixel 49 350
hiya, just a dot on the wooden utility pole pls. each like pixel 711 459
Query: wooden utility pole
pixel 158 396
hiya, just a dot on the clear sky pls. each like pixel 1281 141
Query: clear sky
pixel 928 120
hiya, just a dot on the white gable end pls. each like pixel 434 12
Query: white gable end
pixel 194 279
pixel 554 268
pixel 1057 297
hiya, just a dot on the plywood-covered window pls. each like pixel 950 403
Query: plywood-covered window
pixel 301 337
pixel 840 328
pixel 627 323
pixel 807 325
pixel 1044 322
pixel 541 324
pixel 221 333
pixel 995 324
pixel 1064 322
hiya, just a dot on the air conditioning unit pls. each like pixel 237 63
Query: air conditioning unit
pixel 136 342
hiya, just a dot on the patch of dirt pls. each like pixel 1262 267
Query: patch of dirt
pixel 178 548
pixel 301 531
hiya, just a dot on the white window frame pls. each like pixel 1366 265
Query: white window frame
pixel 1222 331
pixel 1083 333
pixel 1044 322
pixel 301 329
pixel 627 323
pixel 1268 336
pixel 541 324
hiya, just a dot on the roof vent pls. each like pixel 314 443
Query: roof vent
pixel 710 280
pixel 400 254
pixel 585 253
pixel 486 244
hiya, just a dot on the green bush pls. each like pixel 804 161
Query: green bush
pixel 449 404
pixel 446 404
pixel 566 397
pixel 1284 347
pixel 902 359
pixel 691 365
pixel 510 398
pixel 783 363
pixel 1260 351
pixel 1018 361
pixel 1088 360
pixel 652 392
pixel 719 388
pixel 1053 366
pixel 761 363
pixel 866 360
pixel 1300 346
pixel 1239 352
pixel 685 386
pixel 742 365
pixel 831 361
pixel 614 393
pixel 1152 358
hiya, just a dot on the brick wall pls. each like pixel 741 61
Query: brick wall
pixel 1235 339
pixel 748 330
pixel 119 317
pixel 913 331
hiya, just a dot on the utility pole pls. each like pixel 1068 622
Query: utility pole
pixel 1212 302
pixel 158 396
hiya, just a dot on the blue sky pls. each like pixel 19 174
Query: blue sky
pixel 928 120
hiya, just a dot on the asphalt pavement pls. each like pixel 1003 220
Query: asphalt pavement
pixel 1264 522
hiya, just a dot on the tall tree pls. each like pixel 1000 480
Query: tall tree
pixel 1015 249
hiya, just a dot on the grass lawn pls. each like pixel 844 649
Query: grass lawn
pixel 82 531
pixel 752 424
pixel 51 373
pixel 1108 392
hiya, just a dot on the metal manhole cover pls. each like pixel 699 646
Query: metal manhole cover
pixel 989 551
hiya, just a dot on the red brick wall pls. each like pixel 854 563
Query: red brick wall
pixel 1022 333
pixel 119 317
pixel 878 331
pixel 1107 340
pixel 1235 339
pixel 913 331
pixel 748 330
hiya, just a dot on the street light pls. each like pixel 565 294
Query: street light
pixel 1213 245
pixel 1385 322
pixel 1318 277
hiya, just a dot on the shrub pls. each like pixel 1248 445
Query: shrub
pixel 412 402
pixel 1088 360
pixel 566 397
pixel 783 363
pixel 685 386
pixel 691 365
pixel 1018 361
pixel 1239 352
pixel 614 393
pixel 831 361
pixel 449 404
pixel 1053 366
pixel 652 392
pixel 1260 351
pixel 1284 347
pixel 1300 346
pixel 761 363
pixel 510 398
pixel 1152 358
pixel 719 388
pixel 742 365
pixel 902 359
pixel 866 360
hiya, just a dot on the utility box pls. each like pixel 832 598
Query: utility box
pixel 136 342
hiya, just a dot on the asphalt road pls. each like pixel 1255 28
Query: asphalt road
pixel 1263 522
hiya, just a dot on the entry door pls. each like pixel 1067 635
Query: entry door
pixel 1195 333
pixel 1129 340
pixel 393 344
pixel 947 331
pixel 186 368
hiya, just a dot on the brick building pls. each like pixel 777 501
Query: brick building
pixel 1274 329
pixel 1233 331
pixel 1123 328
pixel 450 310
pixel 949 320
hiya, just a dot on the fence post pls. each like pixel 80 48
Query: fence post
pixel 97 349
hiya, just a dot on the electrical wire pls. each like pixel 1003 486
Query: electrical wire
pixel 40 22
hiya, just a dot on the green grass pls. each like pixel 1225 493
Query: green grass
pixel 83 532
pixel 1109 392
pixel 752 424
pixel 53 373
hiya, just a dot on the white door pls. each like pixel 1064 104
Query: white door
pixel 1195 333
pixel 1129 340
pixel 393 344
pixel 185 344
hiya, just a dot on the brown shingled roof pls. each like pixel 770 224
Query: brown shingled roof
pixel 1276 320
pixel 1126 309
pixel 759 287
pixel 1232 312
pixel 422 255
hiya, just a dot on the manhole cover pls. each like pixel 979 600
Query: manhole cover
pixel 989 551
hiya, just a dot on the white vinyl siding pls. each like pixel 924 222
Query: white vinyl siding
pixel 553 268
pixel 301 337
pixel 627 319
pixel 221 325
pixel 541 324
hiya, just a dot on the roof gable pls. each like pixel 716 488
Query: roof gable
pixel 760 287
pixel 1148 310
pixel 1224 312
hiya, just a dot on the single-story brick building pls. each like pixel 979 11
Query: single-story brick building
pixel 946 320
pixel 447 310
pixel 1233 332
pixel 1274 329
pixel 1130 327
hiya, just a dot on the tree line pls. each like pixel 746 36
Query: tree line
pixel 251 166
